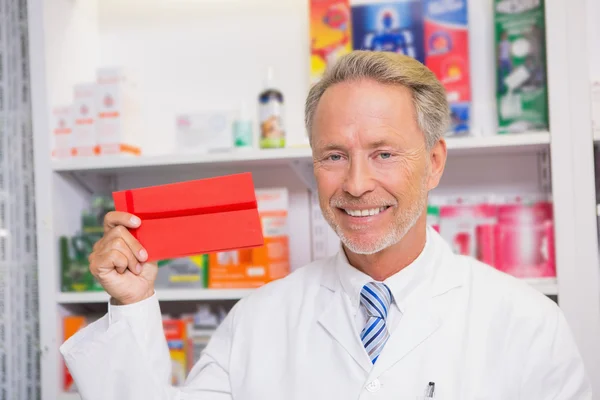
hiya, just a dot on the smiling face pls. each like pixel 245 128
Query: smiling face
pixel 371 163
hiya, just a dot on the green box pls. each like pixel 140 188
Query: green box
pixel 184 272
pixel 75 268
pixel 521 84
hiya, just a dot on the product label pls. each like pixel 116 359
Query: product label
pixel 330 34
pixel 521 65
pixel 447 55
pixel 272 132
pixel 389 26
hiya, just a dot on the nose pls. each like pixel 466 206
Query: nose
pixel 359 178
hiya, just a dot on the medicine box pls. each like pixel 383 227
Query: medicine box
pixel 84 142
pixel 207 131
pixel 118 124
pixel 183 272
pixel 255 267
pixel 330 34
pixel 62 131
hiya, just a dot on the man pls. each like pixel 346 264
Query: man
pixel 392 312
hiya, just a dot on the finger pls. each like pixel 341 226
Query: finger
pixel 119 260
pixel 116 218
pixel 119 244
pixel 134 246
pixel 107 261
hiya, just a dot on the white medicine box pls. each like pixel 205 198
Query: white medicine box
pixel 62 131
pixel 208 131
pixel 83 138
pixel 118 126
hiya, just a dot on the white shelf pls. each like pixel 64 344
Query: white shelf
pixel 69 396
pixel 547 286
pixel 530 141
pixel 163 295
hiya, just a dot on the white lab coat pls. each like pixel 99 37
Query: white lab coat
pixel 475 332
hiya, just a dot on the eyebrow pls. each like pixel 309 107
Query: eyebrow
pixel 372 145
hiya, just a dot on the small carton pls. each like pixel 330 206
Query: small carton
pixel 62 131
pixel 447 55
pixel 118 125
pixel 250 268
pixel 176 336
pixel 84 113
pixel 330 34
pixel 71 325
pixel 183 272
pixel 524 240
pixel 205 132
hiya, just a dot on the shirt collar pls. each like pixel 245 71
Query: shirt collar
pixel 402 284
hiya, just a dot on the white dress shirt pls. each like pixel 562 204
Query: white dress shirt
pixel 402 284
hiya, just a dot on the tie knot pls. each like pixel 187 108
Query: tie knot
pixel 376 297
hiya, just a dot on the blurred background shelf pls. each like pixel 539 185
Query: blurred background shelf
pixel 69 396
pixel 497 144
pixel 547 286
pixel 163 295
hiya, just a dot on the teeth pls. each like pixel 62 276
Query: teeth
pixel 365 213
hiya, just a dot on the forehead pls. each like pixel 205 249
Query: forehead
pixel 366 111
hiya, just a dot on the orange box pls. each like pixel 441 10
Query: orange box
pixel 250 268
pixel 71 325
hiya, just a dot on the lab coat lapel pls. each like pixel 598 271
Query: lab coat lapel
pixel 421 318
pixel 417 324
pixel 337 320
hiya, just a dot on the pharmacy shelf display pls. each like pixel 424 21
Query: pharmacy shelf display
pixel 70 41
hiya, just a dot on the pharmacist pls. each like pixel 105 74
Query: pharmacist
pixel 395 315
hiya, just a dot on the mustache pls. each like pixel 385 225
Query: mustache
pixel 345 202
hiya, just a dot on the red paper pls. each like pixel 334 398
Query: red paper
pixel 195 217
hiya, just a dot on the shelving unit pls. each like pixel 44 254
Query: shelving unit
pixel 497 144
pixel 69 40
pixel 162 294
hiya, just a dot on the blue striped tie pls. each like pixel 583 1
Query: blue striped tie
pixel 376 298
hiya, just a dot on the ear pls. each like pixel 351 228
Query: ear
pixel 437 163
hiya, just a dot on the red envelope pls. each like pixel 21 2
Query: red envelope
pixel 195 217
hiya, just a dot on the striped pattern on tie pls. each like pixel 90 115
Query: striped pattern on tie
pixel 376 297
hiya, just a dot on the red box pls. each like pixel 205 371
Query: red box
pixel 195 217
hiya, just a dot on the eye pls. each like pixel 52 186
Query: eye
pixel 335 157
pixel 385 155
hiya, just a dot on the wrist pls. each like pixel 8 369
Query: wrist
pixel 131 300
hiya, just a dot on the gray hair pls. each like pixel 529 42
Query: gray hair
pixel 429 95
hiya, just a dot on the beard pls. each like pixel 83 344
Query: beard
pixel 404 220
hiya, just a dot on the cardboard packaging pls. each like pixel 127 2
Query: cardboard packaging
pixel 185 272
pixel 118 119
pixel 75 267
pixel 71 325
pixel 205 132
pixel 524 240
pixel 62 131
pixel 195 217
pixel 255 267
pixel 330 34
pixel 389 26
pixel 84 113
pixel 460 221
pixel 521 91
pixel 447 55
pixel 176 336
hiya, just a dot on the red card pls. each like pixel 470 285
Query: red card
pixel 195 217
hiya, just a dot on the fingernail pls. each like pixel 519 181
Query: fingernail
pixel 143 254
pixel 135 220
pixel 138 268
